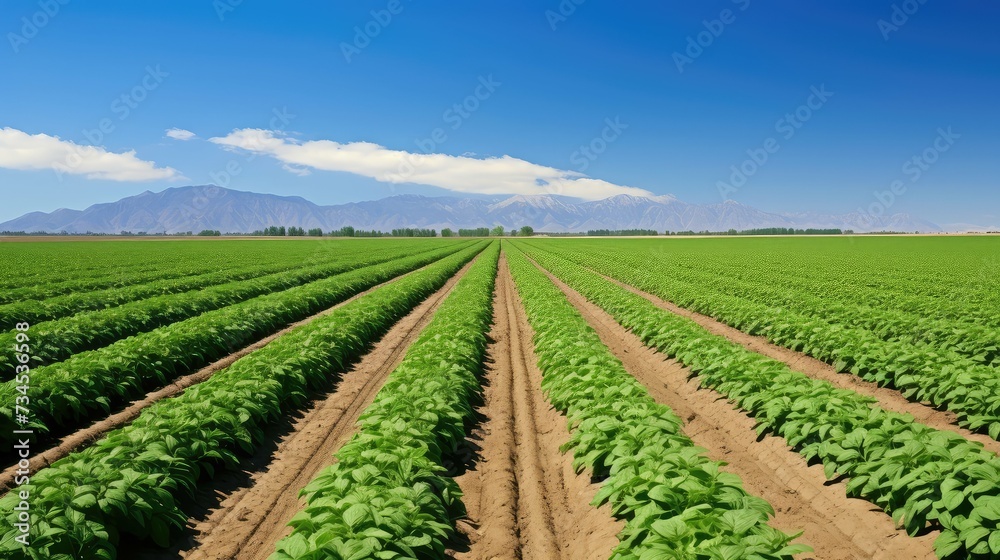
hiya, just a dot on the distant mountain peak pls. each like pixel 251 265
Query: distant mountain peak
pixel 170 211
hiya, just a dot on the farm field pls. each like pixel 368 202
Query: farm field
pixel 471 399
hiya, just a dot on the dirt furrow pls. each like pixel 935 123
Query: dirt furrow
pixel 836 526
pixel 525 501
pixel 86 436
pixel 888 399
pixel 248 517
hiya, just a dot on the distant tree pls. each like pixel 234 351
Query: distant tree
pixel 446 232
pixel 316 232
pixel 527 231
pixel 210 232
pixel 497 231
pixel 296 232
pixel 476 232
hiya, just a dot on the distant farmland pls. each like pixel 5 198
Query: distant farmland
pixel 475 398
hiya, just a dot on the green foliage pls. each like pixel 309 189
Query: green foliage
pixel 59 339
pixel 387 495
pixel 924 478
pixel 676 502
pixel 130 482
pixel 899 340
pixel 91 383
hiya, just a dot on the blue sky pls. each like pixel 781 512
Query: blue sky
pixel 290 114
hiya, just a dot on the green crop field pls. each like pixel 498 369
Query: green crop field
pixel 637 399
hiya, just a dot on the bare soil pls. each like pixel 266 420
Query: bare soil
pixel 836 526
pixel 243 515
pixel 888 399
pixel 524 499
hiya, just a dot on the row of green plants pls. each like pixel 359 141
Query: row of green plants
pixel 388 495
pixel 921 373
pixel 36 311
pixel 53 341
pixel 40 270
pixel 676 502
pixel 924 478
pixel 132 481
pixel 49 269
pixel 92 383
pixel 922 326
pixel 953 280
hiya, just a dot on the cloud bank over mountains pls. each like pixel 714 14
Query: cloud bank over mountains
pixel 490 176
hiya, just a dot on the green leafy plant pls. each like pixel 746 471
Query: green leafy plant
pixel 127 482
pixel 388 496
pixel 924 478
pixel 676 502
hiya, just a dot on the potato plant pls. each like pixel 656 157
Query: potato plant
pixel 676 502
pixel 387 496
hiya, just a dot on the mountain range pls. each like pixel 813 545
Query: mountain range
pixel 196 208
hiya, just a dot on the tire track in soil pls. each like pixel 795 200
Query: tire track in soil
pixel 523 497
pixel 888 399
pixel 837 527
pixel 82 438
pixel 247 514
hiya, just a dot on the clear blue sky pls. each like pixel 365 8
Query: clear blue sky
pixel 557 90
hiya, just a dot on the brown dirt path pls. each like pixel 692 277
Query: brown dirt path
pixel 247 522
pixel 888 399
pixel 82 438
pixel 836 526
pixel 523 497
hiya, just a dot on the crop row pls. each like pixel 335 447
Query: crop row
pixel 904 277
pixel 34 311
pixel 130 482
pixel 41 270
pixel 922 374
pixel 91 383
pixel 53 341
pixel 921 476
pixel 676 502
pixel 45 269
pixel 956 338
pixel 388 495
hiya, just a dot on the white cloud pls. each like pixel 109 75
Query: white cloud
pixel 494 175
pixel 23 151
pixel 180 134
